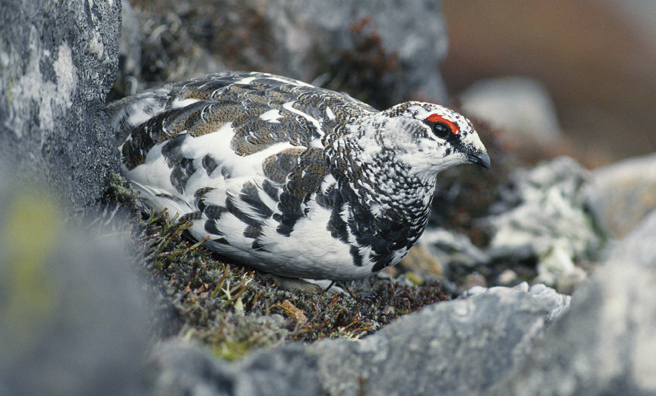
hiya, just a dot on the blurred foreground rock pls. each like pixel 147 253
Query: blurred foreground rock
pixel 74 320
pixel 58 60
pixel 187 369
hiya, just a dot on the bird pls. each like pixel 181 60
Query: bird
pixel 292 179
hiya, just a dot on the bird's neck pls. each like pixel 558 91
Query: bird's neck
pixel 395 189
pixel 381 181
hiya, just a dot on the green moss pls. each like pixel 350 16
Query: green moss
pixel 119 192
pixel 414 278
pixel 29 235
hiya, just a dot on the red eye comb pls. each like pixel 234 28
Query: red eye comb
pixel 438 118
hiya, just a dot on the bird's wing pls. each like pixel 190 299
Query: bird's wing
pixel 262 110
pixel 237 152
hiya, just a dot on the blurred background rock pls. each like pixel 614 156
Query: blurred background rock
pixel 595 58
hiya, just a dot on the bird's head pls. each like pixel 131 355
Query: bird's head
pixel 428 138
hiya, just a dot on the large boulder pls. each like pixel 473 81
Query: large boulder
pixel 187 369
pixel 460 347
pixel 414 31
pixel 58 61
pixel 606 343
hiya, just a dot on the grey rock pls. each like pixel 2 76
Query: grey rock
pixel 622 194
pixel 539 291
pixel 184 368
pixel 188 369
pixel 448 246
pixel 450 348
pixel 73 315
pixel 384 51
pixel 307 31
pixel 129 50
pixel 168 49
pixel 461 347
pixel 606 343
pixel 58 61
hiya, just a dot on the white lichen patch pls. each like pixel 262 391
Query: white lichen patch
pixel 66 78
pixel 96 46
pixel 551 218
pixel 33 92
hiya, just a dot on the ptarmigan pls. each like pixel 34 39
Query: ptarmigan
pixel 293 179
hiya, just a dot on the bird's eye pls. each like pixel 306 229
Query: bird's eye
pixel 441 130
pixel 442 127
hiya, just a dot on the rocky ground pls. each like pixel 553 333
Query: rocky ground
pixel 531 279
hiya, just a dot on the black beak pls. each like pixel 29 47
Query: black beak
pixel 481 159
